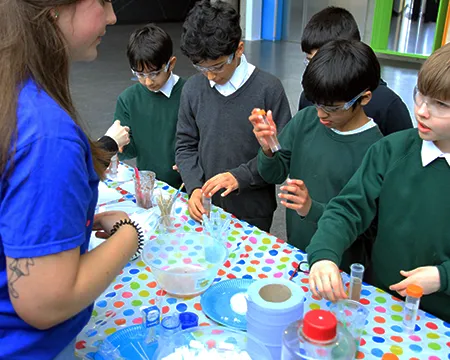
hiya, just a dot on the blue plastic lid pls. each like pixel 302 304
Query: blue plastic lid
pixel 188 320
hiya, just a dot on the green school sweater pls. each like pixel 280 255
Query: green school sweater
pixel 152 118
pixel 325 161
pixel 413 206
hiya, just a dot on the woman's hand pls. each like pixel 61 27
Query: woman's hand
pixel 105 221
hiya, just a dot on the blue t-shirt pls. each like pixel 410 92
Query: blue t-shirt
pixel 47 206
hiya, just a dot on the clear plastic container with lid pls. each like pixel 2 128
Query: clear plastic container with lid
pixel 317 336
pixel 412 301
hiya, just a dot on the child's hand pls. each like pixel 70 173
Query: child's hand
pixel 195 205
pixel 325 281
pixel 298 196
pixel 262 130
pixel 120 134
pixel 105 221
pixel 175 167
pixel 427 277
pixel 220 181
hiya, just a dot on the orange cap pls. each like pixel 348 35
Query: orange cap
pixel 261 112
pixel 414 291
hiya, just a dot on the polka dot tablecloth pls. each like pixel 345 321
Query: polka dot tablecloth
pixel 256 255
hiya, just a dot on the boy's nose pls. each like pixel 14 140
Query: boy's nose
pixel 321 114
pixel 210 75
pixel 423 111
pixel 148 81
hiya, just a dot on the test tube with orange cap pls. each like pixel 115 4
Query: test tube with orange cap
pixel 412 301
pixel 272 141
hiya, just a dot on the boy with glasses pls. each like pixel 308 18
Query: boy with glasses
pixel 404 180
pixel 386 108
pixel 150 108
pixel 322 146
pixel 216 150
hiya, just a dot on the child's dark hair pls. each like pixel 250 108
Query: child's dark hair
pixel 331 23
pixel 211 30
pixel 339 71
pixel 149 46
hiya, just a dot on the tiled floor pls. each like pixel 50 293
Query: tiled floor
pixel 96 85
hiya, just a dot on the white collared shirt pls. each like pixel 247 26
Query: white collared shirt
pixel 240 76
pixel 167 88
pixel 431 152
pixel 368 125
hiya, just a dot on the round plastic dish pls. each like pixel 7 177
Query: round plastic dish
pixel 183 263
pixel 226 303
pixel 222 342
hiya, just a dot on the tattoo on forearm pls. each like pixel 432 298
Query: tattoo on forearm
pixel 19 268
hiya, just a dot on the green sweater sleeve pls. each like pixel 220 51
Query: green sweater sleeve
pixel 122 114
pixel 275 169
pixel 444 274
pixel 316 211
pixel 350 213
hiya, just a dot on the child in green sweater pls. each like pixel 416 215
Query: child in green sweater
pixel 322 146
pixel 404 179
pixel 150 108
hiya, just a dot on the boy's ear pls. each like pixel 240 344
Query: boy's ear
pixel 240 49
pixel 173 61
pixel 365 99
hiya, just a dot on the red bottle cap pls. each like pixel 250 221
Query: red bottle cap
pixel 319 325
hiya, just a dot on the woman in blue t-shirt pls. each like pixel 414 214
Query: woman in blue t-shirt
pixel 49 173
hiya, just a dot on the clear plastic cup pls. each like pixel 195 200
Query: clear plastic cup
pixel 144 188
pixel 352 316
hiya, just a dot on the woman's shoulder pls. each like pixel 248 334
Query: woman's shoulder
pixel 40 116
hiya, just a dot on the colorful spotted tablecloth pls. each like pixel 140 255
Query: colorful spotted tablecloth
pixel 257 255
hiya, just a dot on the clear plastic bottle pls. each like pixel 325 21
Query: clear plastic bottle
pixel 317 336
pixel 412 301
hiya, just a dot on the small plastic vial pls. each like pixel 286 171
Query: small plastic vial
pixel 207 204
pixel 114 166
pixel 356 278
pixel 271 140
pixel 412 301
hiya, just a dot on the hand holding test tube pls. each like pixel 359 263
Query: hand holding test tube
pixel 258 118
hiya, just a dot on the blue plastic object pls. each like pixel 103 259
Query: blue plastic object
pixel 226 303
pixel 188 320
pixel 129 343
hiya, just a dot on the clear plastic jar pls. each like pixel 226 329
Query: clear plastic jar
pixel 317 336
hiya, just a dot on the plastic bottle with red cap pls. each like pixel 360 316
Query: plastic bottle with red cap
pixel 317 336
pixel 412 301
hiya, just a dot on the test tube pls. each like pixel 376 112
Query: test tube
pixel 412 301
pixel 271 140
pixel 114 166
pixel 207 203
pixel 356 277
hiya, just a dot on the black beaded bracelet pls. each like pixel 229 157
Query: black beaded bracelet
pixel 138 229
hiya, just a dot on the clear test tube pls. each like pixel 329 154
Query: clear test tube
pixel 356 278
pixel 114 166
pixel 412 301
pixel 207 204
pixel 271 140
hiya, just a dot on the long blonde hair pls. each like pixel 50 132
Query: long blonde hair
pixel 32 46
